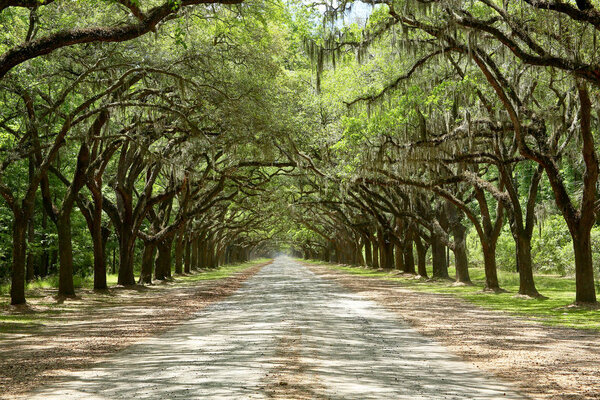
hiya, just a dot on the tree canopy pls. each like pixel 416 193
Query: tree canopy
pixel 390 133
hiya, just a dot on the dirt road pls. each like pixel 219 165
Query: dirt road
pixel 286 334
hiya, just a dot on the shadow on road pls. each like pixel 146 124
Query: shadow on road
pixel 285 334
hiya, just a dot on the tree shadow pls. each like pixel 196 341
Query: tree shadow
pixel 286 334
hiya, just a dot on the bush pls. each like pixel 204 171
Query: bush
pixel 506 251
pixel 551 248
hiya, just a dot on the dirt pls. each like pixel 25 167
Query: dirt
pixel 544 362
pixel 288 334
pixel 80 332
pixel 290 377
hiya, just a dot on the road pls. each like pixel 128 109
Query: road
pixel 285 334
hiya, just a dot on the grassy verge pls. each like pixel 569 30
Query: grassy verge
pixel 556 310
pixel 39 291
pixel 219 273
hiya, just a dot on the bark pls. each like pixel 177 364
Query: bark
pixel 126 252
pixel 195 253
pixel 489 261
pixel 30 254
pixel 17 288
pixel 63 221
pixel 461 261
pixel 526 282
pixel 358 254
pixel 98 232
pixel 179 250
pixel 375 247
pixel 65 254
pixel 399 257
pixel 99 245
pixel 421 257
pixel 409 258
pixel 438 258
pixel 162 269
pixel 113 267
pixel 45 256
pixel 30 273
pixel 386 251
pixel 584 270
pixel 368 254
pixel 203 255
pixel 188 256
pixel 522 230
pixel 147 262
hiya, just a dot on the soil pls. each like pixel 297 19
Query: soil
pixel 77 333
pixel 286 333
pixel 290 331
pixel 545 362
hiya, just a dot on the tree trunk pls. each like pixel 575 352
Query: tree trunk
pixel 368 254
pixel 195 253
pixel 99 244
pixel 162 270
pixel 113 267
pixel 65 254
pixel 30 273
pixel 399 258
pixel 438 258
pixel 461 261
pixel 203 254
pixel 409 258
pixel 188 256
pixel 211 256
pixel 147 263
pixel 179 249
pixel 383 261
pixel 421 257
pixel 358 254
pixel 126 253
pixel 45 256
pixel 99 235
pixel 491 273
pixel 30 255
pixel 526 282
pixel 375 247
pixel 584 269
pixel 17 288
pixel 202 250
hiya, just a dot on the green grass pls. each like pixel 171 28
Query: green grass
pixel 20 321
pixel 51 282
pixel 222 272
pixel 557 310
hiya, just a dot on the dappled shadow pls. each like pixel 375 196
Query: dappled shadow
pixel 48 339
pixel 285 334
pixel 546 362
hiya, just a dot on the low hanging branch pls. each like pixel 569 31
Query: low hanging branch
pixel 401 78
pixel 121 33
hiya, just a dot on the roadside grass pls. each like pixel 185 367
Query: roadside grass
pixel 51 282
pixel 556 310
pixel 39 291
pixel 218 273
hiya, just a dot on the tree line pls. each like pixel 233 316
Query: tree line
pixel 452 117
pixel 185 134
pixel 157 145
